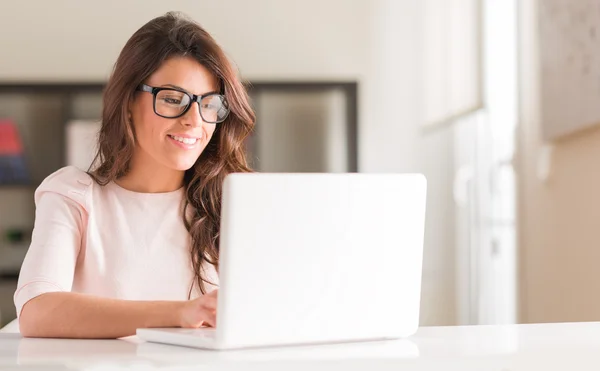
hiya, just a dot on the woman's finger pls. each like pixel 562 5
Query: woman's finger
pixel 210 318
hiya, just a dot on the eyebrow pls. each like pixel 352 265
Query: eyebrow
pixel 187 91
pixel 173 86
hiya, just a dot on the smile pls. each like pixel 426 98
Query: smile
pixel 188 141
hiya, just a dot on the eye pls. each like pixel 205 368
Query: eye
pixel 172 100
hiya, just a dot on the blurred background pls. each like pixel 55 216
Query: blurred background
pixel 495 101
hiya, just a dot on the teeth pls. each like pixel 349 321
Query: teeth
pixel 184 140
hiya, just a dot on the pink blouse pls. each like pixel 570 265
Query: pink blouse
pixel 107 241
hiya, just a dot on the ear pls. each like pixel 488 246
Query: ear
pixel 129 112
pixel 130 108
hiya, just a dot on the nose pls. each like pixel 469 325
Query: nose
pixel 192 117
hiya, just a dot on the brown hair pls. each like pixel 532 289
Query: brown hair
pixel 168 36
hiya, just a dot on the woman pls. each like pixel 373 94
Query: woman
pixel 135 241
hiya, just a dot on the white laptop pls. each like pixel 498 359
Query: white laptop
pixel 314 258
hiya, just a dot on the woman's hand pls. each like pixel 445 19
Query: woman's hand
pixel 201 311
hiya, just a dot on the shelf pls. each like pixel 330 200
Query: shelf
pixel 9 276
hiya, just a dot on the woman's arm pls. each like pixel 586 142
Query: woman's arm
pixel 73 315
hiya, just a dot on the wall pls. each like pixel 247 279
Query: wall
pixel 375 42
pixel 268 39
pixel 559 218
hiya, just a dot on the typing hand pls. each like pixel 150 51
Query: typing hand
pixel 201 311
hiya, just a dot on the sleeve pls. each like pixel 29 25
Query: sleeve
pixel 60 222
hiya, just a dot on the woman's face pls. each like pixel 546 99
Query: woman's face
pixel 173 143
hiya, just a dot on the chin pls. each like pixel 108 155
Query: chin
pixel 182 164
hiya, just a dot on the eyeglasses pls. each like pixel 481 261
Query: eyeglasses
pixel 172 103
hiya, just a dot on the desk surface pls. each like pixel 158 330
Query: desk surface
pixel 500 348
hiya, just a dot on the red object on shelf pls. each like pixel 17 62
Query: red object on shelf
pixel 10 143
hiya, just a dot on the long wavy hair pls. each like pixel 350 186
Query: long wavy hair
pixel 165 37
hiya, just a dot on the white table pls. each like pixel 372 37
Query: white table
pixel 569 346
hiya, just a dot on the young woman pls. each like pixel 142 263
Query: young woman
pixel 134 242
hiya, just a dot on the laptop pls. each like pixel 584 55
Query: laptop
pixel 312 259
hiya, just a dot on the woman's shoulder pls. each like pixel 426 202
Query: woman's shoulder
pixel 69 182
